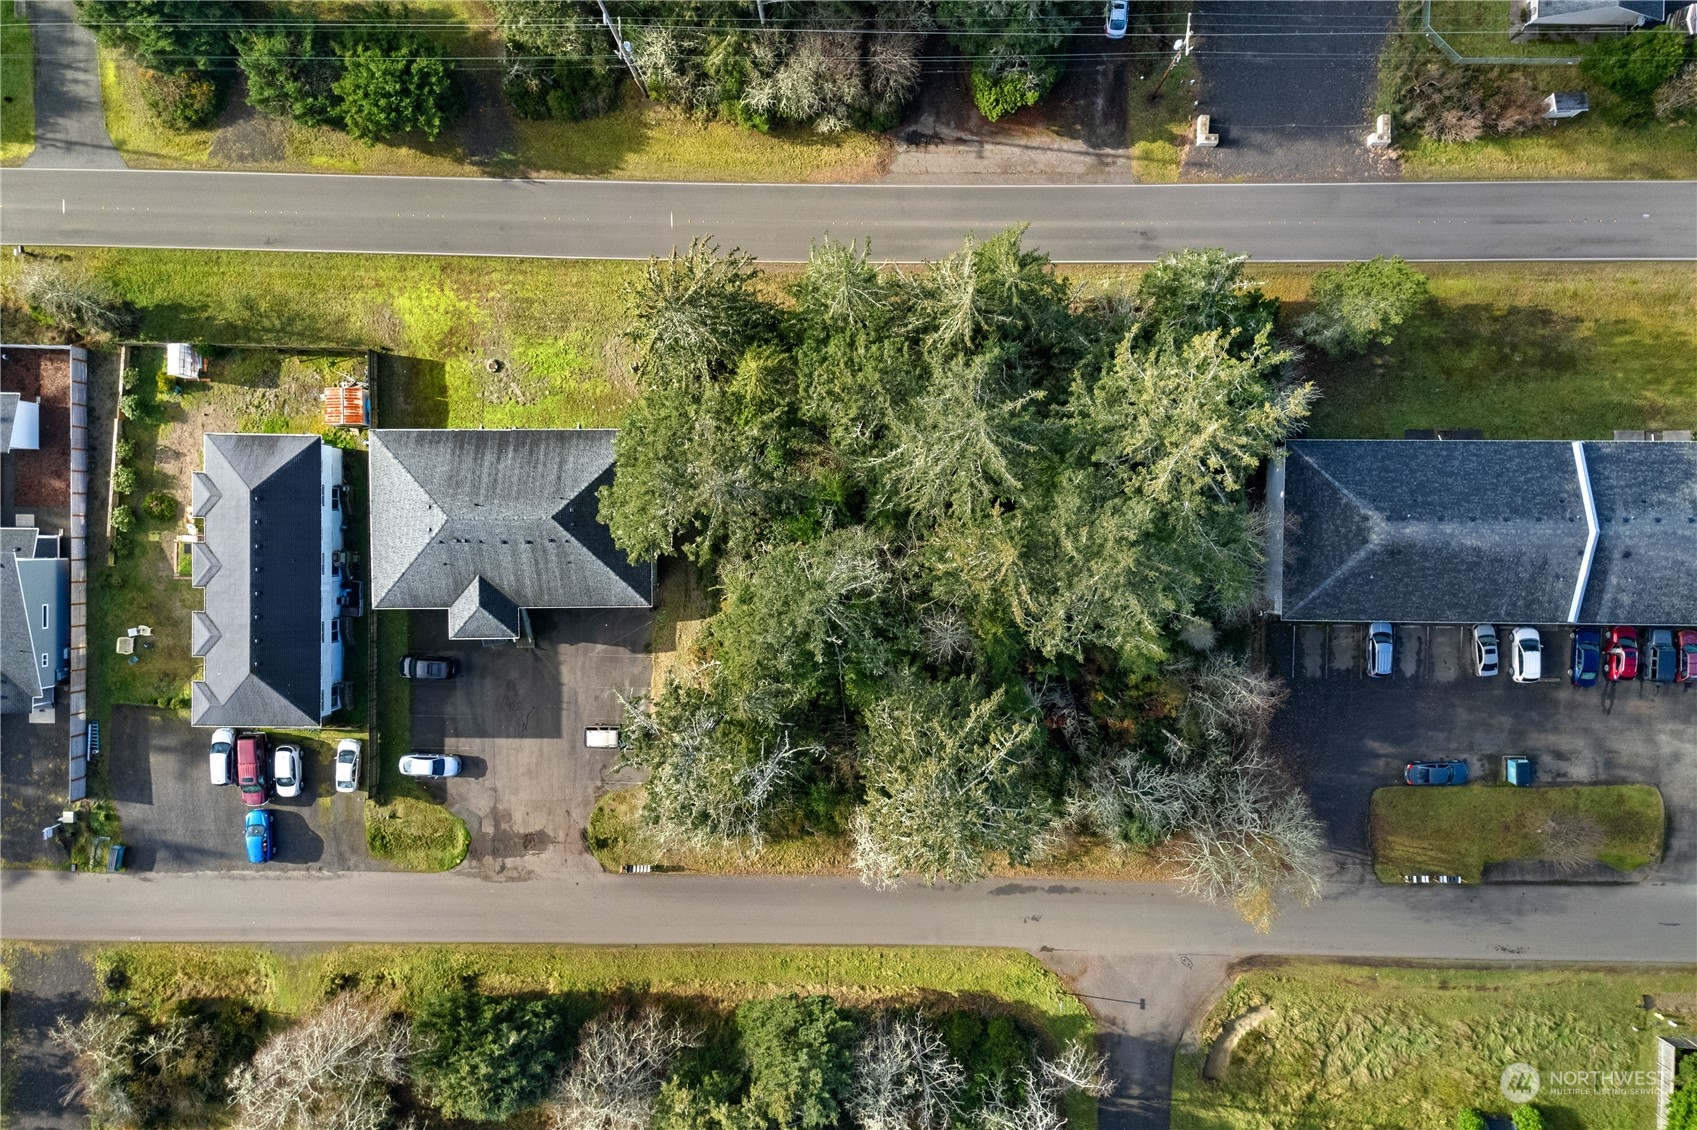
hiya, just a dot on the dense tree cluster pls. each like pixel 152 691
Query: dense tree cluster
pixel 930 502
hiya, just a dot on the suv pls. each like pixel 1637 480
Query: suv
pixel 250 768
pixel 1525 656
pixel 1485 650
pixel 1587 656
pixel 223 756
pixel 1662 655
pixel 1379 649
pixel 1686 642
pixel 432 667
pixel 1622 646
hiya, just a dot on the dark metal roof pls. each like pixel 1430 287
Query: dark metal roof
pixel 20 677
pixel 260 568
pixel 515 509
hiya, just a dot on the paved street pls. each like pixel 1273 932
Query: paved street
pixel 1078 223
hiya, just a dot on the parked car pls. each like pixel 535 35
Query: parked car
pixel 1517 771
pixel 1526 656
pixel 1485 662
pixel 1621 645
pixel 223 756
pixel 432 667
pixel 1686 642
pixel 347 765
pixel 1587 656
pixel 1117 19
pixel 286 771
pixel 424 765
pixel 1435 773
pixel 1379 649
pixel 250 768
pixel 1661 655
pixel 260 846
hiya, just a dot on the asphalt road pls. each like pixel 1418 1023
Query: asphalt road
pixel 1073 223
pixel 70 128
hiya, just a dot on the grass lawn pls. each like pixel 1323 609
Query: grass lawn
pixel 1406 1047
pixel 1158 132
pixel 1456 831
pixel 17 86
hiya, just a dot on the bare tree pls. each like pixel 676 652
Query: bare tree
pixel 1023 1102
pixel 102 1047
pixel 69 297
pixel 1078 1068
pixel 1233 702
pixel 332 1071
pixel 621 1062
pixel 905 1078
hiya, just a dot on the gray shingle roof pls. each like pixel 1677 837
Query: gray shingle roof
pixel 8 413
pixel 260 568
pixel 516 509
pixel 20 678
pixel 483 612
pixel 1487 531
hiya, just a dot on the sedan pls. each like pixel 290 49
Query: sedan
pixel 1621 644
pixel 424 765
pixel 1686 642
pixel 222 759
pixel 1435 773
pixel 347 765
pixel 260 845
pixel 1117 19
pixel 1379 649
pixel 1485 662
pixel 1526 656
pixel 1587 656
pixel 286 771
pixel 430 667
pixel 1661 656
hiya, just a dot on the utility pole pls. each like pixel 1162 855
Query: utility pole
pixel 622 47
pixel 760 6
pixel 1181 49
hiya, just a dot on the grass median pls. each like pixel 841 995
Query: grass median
pixel 1397 1046
pixel 17 86
pixel 1457 831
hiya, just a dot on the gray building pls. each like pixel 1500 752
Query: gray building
pixel 35 619
pixel 1488 531
pixel 1577 15
pixel 270 511
pixel 488 524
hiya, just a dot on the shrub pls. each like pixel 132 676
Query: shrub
pixel 123 479
pixel 799 1052
pixel 1527 1117
pixel 183 101
pixel 485 1058
pixel 70 298
pixel 292 73
pixel 164 35
pixel 123 521
pixel 124 449
pixel 160 505
pixel 1682 1107
pixel 998 95
pixel 130 407
pixel 1634 65
pixel 389 88
pixel 1677 97
pixel 1470 1119
pixel 1361 303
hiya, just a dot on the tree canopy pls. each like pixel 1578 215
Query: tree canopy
pixel 920 498
pixel 1360 304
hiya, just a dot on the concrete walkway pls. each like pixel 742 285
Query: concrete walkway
pixel 70 128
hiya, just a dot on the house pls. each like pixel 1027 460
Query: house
pixel 270 510
pixel 1484 531
pixel 490 524
pixel 1583 15
pixel 35 619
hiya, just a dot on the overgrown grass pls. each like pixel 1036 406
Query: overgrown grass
pixel 17 86
pixel 1457 831
pixel 1158 132
pixel 1392 1046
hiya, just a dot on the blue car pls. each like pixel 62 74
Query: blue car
pixel 1587 656
pixel 1435 773
pixel 260 845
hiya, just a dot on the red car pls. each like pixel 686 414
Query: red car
pixel 1685 669
pixel 250 768
pixel 1620 653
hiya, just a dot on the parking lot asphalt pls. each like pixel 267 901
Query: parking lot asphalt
pixel 1349 734
pixel 175 819
pixel 34 778
pixel 515 716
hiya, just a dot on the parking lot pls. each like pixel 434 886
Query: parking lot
pixel 175 819
pixel 1349 734
pixel 516 716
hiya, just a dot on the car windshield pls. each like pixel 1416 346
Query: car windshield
pixel 249 782
pixel 346 757
pixel 1529 646
pixel 221 747
pixel 285 782
pixel 255 830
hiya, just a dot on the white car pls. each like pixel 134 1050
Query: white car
pixel 1526 656
pixel 1117 18
pixel 601 737
pixel 1485 663
pixel 347 765
pixel 223 756
pixel 286 770
pixel 1379 649
pixel 424 765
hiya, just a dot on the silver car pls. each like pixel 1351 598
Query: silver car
pixel 424 765
pixel 1379 649
pixel 1485 659
pixel 223 756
